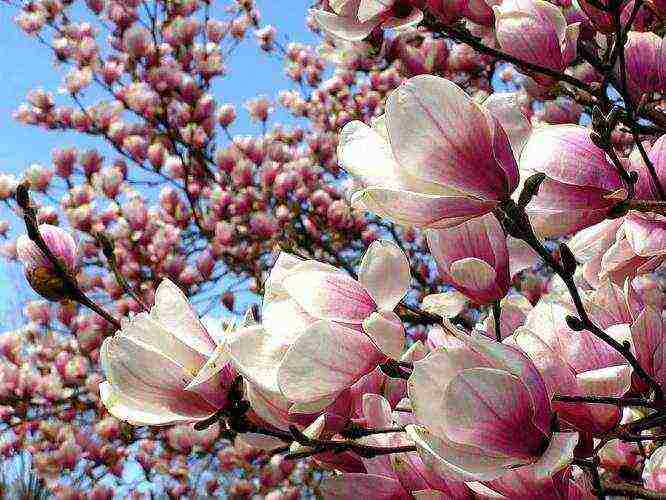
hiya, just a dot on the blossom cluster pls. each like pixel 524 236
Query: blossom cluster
pixel 459 260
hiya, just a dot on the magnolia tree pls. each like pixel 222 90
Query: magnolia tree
pixel 457 256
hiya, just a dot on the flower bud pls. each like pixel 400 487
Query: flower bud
pixel 39 271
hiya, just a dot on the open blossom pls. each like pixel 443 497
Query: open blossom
pixel 391 476
pixel 536 31
pixel 354 20
pixel 164 368
pixel 620 248
pixel 38 268
pixel 421 164
pixel 581 183
pixel 323 330
pixel 577 363
pixel 483 412
pixel 473 258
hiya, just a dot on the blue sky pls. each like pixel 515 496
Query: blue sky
pixel 25 64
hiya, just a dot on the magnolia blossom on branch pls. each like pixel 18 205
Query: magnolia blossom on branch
pixel 416 337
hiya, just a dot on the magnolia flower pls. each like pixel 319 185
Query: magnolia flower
pixel 422 165
pixel 164 368
pixel 354 20
pixel 483 411
pixel 473 258
pixel 578 363
pixel 398 475
pixel 581 183
pixel 621 248
pixel 323 330
pixel 536 31
pixel 39 270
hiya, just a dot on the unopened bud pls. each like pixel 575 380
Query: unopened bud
pixel 39 270
pixel 567 259
pixel 575 324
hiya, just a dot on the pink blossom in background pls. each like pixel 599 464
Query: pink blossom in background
pixel 354 20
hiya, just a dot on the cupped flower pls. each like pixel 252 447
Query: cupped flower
pixel 473 258
pixel 322 329
pixel 536 31
pixel 577 363
pixel 354 20
pixel 581 183
pixel 483 410
pixel 163 367
pixel 39 270
pixel 422 164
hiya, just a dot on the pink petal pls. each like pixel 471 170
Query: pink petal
pixel 348 486
pixel 325 360
pixel 646 234
pixel 565 153
pixel 271 407
pixel 409 208
pixel 473 275
pixel 139 411
pixel 458 462
pixel 491 409
pixel 427 121
pixel 544 478
pixel 561 209
pixel 648 336
pixel 387 332
pixel 532 30
pixel 330 296
pixel 504 107
pixel 140 373
pixel 473 256
pixel 214 378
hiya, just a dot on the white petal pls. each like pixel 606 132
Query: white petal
pixel 473 273
pixel 256 355
pixel 147 330
pixel 387 332
pixel 324 360
pixel 447 304
pixel 138 412
pixel 384 272
pixel 345 28
pixel 173 310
